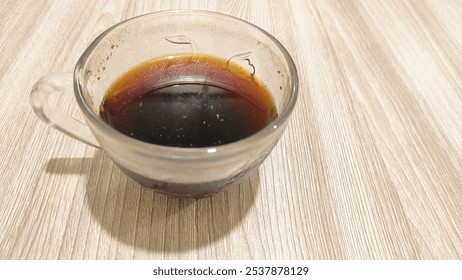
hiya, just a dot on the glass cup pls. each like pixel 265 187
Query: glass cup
pixel 181 172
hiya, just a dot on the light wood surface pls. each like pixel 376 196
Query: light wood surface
pixel 370 166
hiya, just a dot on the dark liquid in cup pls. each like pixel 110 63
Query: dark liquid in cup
pixel 188 101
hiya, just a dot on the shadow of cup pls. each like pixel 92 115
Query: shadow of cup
pixel 144 219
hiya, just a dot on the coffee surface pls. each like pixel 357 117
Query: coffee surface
pixel 188 101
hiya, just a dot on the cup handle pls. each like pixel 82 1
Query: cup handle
pixel 39 99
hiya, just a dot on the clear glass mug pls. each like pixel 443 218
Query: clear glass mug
pixel 181 172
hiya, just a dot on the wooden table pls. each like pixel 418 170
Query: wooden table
pixel 370 166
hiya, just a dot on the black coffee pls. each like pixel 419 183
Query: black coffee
pixel 217 103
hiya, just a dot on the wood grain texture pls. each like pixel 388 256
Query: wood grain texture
pixel 370 166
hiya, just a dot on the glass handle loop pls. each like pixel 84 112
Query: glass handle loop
pixel 42 91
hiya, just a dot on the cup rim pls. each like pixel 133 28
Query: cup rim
pixel 277 123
